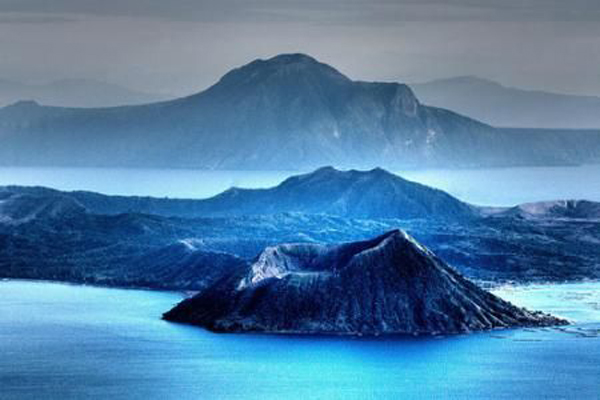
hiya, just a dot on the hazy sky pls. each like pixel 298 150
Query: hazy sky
pixel 180 46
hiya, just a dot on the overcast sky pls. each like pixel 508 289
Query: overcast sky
pixel 181 46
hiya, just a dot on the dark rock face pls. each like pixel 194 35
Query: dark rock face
pixel 288 112
pixel 388 285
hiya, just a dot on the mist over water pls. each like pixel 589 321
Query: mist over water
pixel 492 187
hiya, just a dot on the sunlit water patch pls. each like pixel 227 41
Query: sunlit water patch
pixel 577 302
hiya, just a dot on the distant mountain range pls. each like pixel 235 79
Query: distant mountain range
pixel 352 194
pixel 73 93
pixel 504 106
pixel 287 112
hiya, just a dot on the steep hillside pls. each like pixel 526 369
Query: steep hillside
pixel 388 285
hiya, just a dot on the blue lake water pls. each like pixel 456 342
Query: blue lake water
pixel 62 341
pixel 69 342
pixel 503 186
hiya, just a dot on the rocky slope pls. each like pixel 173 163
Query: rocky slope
pixel 287 112
pixel 388 285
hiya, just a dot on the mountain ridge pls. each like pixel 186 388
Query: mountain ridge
pixel 84 93
pixel 355 194
pixel 134 241
pixel 288 112
pixel 511 107
pixel 367 194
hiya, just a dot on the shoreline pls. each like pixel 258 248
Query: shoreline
pixel 489 286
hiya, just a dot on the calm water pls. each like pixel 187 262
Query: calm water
pixel 61 341
pixel 507 186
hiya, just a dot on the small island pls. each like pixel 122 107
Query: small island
pixel 388 285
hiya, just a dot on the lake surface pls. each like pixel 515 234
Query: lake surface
pixel 62 341
pixel 505 186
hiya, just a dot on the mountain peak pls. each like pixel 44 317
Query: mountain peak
pixel 326 169
pixel 376 193
pixel 26 104
pixel 301 258
pixel 332 176
pixel 330 171
pixel 295 60
pixel 284 70
pixel 386 285
pixel 292 58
